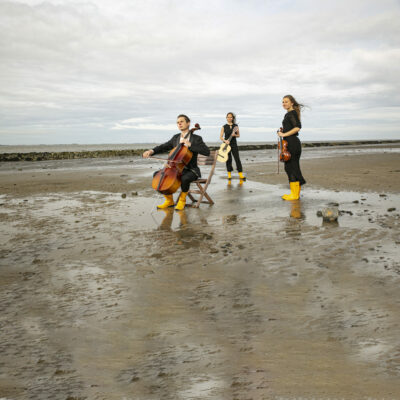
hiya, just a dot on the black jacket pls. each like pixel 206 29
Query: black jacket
pixel 197 146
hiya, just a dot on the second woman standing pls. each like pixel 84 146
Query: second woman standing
pixel 226 132
pixel 291 126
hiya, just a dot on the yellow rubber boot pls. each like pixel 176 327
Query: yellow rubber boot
pixel 229 175
pixel 294 192
pixel 169 201
pixel 181 202
pixel 241 176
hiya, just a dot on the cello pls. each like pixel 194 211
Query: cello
pixel 168 179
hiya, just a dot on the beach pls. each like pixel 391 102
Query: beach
pixel 104 297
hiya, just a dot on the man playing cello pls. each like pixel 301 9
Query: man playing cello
pixel 191 172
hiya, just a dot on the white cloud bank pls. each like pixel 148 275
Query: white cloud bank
pixel 108 72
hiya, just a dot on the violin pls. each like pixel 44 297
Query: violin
pixel 168 179
pixel 283 151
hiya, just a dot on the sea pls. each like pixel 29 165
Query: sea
pixel 55 148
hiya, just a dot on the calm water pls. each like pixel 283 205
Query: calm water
pixel 105 146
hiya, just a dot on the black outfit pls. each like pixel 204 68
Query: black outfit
pixel 234 149
pixel 191 172
pixel 292 167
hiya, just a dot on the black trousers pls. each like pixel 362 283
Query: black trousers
pixel 292 167
pixel 235 153
pixel 187 177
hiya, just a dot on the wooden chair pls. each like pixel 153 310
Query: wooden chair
pixel 202 184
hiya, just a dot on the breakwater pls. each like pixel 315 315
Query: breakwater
pixel 65 155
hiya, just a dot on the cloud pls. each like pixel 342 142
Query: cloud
pixel 129 65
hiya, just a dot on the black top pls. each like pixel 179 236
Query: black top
pixel 197 146
pixel 228 131
pixel 291 120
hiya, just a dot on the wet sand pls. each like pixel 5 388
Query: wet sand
pixel 103 297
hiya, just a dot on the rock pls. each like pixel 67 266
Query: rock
pixel 355 201
pixel 123 195
pixel 330 214
pixel 319 213
pixel 134 193
pixel 345 212
pixel 391 209
pixel 382 195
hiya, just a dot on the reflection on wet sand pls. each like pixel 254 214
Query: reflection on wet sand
pixel 187 233
pixel 252 298
pixel 229 184
pixel 295 210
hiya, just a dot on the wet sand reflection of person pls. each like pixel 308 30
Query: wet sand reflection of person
pixel 187 234
pixel 166 223
pixel 295 210
pixel 295 220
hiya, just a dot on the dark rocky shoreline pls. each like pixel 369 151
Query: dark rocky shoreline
pixel 65 155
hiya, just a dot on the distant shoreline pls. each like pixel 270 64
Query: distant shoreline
pixel 64 155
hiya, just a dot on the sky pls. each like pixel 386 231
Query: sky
pixel 121 71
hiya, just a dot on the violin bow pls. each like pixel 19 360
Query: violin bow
pixel 163 159
pixel 277 147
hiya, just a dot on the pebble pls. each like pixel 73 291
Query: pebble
pixel 391 209
pixel 123 195
pixel 329 214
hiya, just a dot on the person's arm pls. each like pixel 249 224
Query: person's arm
pixel 295 122
pixel 221 136
pixel 147 153
pixel 237 134
pixel 289 133
pixel 198 146
pixel 160 149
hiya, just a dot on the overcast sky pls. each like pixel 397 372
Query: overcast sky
pixel 120 71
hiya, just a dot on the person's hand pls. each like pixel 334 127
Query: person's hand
pixel 185 142
pixel 226 141
pixel 147 153
pixel 281 134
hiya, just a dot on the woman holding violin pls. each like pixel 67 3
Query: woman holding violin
pixel 190 172
pixel 291 126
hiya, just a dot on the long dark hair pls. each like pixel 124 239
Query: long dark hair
pixel 234 117
pixel 183 116
pixel 297 106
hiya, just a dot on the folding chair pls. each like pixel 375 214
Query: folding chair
pixel 202 184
